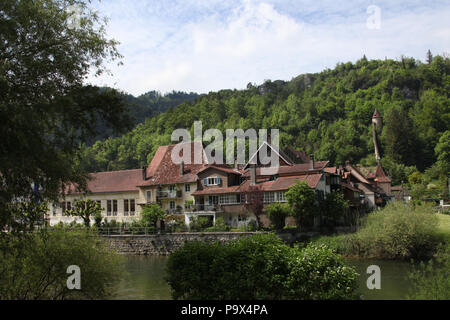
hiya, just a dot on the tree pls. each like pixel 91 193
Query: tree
pixel 34 265
pixel 45 111
pixel 254 201
pixel 151 214
pixel 302 200
pixel 277 213
pixel 334 206
pixel 85 210
pixel 429 56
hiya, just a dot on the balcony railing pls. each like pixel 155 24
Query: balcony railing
pixel 204 207
pixel 169 194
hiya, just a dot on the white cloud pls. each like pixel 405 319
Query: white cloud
pixel 166 48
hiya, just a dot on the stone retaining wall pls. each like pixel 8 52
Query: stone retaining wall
pixel 165 244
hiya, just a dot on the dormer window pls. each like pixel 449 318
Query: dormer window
pixel 212 181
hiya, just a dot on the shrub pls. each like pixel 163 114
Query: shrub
pixel 34 265
pixel 151 214
pixel 199 224
pixel 396 232
pixel 257 267
pixel 277 213
pixel 220 225
pixel 317 273
pixel 302 200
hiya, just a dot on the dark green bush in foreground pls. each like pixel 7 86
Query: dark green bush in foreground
pixel 396 232
pixel 33 266
pixel 258 267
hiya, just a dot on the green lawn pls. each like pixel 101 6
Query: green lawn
pixel 444 226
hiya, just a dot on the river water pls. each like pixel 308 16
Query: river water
pixel 145 279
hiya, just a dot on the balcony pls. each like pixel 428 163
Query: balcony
pixel 169 194
pixel 204 207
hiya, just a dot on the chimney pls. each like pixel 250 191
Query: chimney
pixel 144 173
pixel 181 168
pixel 311 162
pixel 252 174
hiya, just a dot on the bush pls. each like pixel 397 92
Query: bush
pixel 151 214
pixel 277 213
pixel 396 232
pixel 219 226
pixel 317 273
pixel 257 267
pixel 199 224
pixel 34 265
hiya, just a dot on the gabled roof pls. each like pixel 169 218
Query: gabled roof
pixel 112 181
pixel 356 173
pixel 162 170
pixel 296 169
pixel 279 152
pixel 220 168
pixel 380 175
pixel 376 114
pixel 283 183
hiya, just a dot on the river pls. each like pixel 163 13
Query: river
pixel 145 279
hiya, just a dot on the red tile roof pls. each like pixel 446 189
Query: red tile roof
pixel 233 189
pixel 381 175
pixel 220 168
pixel 162 170
pixel 376 114
pixel 291 170
pixel 112 181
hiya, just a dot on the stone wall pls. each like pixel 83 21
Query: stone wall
pixel 164 244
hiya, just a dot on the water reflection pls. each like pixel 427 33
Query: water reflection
pixel 145 280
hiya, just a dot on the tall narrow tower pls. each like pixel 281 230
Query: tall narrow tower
pixel 376 125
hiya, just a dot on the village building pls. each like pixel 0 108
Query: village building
pixel 216 190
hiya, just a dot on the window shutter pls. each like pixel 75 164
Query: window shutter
pixel 219 181
pixel 205 181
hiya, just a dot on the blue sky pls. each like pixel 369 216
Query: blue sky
pixel 210 45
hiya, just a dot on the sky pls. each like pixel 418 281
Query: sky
pixel 208 45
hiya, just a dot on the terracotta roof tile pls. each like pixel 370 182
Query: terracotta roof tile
pixel 162 170
pixel 112 181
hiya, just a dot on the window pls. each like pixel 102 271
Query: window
pixel 108 207
pixel 212 181
pixel 69 205
pixel 114 207
pixel 187 187
pixel 149 196
pixel 229 198
pixel 63 208
pixel 132 207
pixel 269 196
pixel 125 207
pixel 171 188
pixel 172 204
pixel 280 196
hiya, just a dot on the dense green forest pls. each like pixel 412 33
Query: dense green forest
pixel 146 105
pixel 327 113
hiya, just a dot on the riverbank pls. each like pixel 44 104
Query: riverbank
pixel 165 244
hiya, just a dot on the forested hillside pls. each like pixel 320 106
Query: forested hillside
pixel 327 113
pixel 146 105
